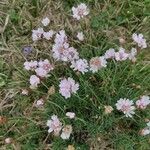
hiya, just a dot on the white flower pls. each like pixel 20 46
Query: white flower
pixel 139 39
pixel 97 63
pixel 39 103
pixel 54 125
pixel 67 87
pixel 80 11
pixel 66 131
pixel 110 53
pixel 132 54
pixel 45 21
pixel 125 105
pixel 80 36
pixel 80 65
pixel 34 81
pixel 32 65
pixel 48 35
pixel 41 72
pixel 143 102
pixel 37 34
pixel 121 54
pixel 71 115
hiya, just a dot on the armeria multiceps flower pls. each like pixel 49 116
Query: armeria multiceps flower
pixel 70 115
pixel 110 53
pixel 121 55
pixel 48 35
pixel 132 54
pixel 61 49
pixel 39 103
pixel 143 102
pixel 54 125
pixel 139 39
pixel 80 65
pixel 67 87
pixel 80 36
pixel 34 81
pixel 45 21
pixel 41 72
pixel 30 65
pixel 66 131
pixel 126 106
pixel 37 34
pixel 97 63
pixel 80 11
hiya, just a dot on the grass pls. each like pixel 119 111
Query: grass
pixel 108 20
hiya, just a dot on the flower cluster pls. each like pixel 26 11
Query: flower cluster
pixel 146 130
pixel 126 106
pixel 67 87
pixel 41 68
pixel 56 127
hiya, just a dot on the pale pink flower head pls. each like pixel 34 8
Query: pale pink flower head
pixel 143 102
pixel 45 21
pixel 34 81
pixel 67 87
pixel 132 54
pixel 45 65
pixel 30 65
pixel 61 37
pixel 48 35
pixel 80 11
pixel 80 36
pixel 139 39
pixel 66 131
pixel 97 63
pixel 121 55
pixel 70 115
pixel 39 103
pixel 41 72
pixel 37 34
pixel 72 54
pixel 110 53
pixel 54 125
pixel 126 106
pixel 80 65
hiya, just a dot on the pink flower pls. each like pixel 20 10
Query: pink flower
pixel 37 34
pixel 48 35
pixel 54 125
pixel 32 65
pixel 71 115
pixel 34 81
pixel 97 63
pixel 143 102
pixel 139 39
pixel 132 54
pixel 110 53
pixel 41 72
pixel 80 65
pixel 67 87
pixel 121 54
pixel 80 36
pixel 125 105
pixel 80 11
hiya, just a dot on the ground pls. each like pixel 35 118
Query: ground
pixel 108 21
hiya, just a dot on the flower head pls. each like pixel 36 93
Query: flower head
pixel 143 102
pixel 54 125
pixel 37 34
pixel 80 11
pixel 32 65
pixel 67 87
pixel 80 36
pixel 121 55
pixel 66 131
pixel 132 54
pixel 39 103
pixel 34 81
pixel 70 115
pixel 48 35
pixel 80 65
pixel 139 39
pixel 97 63
pixel 110 53
pixel 126 106
pixel 45 21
